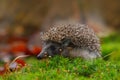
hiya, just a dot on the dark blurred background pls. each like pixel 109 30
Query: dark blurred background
pixel 23 20
pixel 29 16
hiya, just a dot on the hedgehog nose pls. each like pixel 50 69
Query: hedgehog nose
pixel 39 57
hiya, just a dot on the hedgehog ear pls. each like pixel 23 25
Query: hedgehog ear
pixel 66 42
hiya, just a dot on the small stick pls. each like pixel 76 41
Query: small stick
pixel 19 57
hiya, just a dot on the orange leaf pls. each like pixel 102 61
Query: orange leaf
pixel 34 50
pixel 21 62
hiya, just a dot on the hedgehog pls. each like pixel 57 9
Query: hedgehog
pixel 70 40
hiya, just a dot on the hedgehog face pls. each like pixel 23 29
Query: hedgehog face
pixel 50 49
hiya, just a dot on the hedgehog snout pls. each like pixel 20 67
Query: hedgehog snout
pixel 39 57
pixel 42 55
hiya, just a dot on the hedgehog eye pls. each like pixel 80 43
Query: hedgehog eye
pixel 60 49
